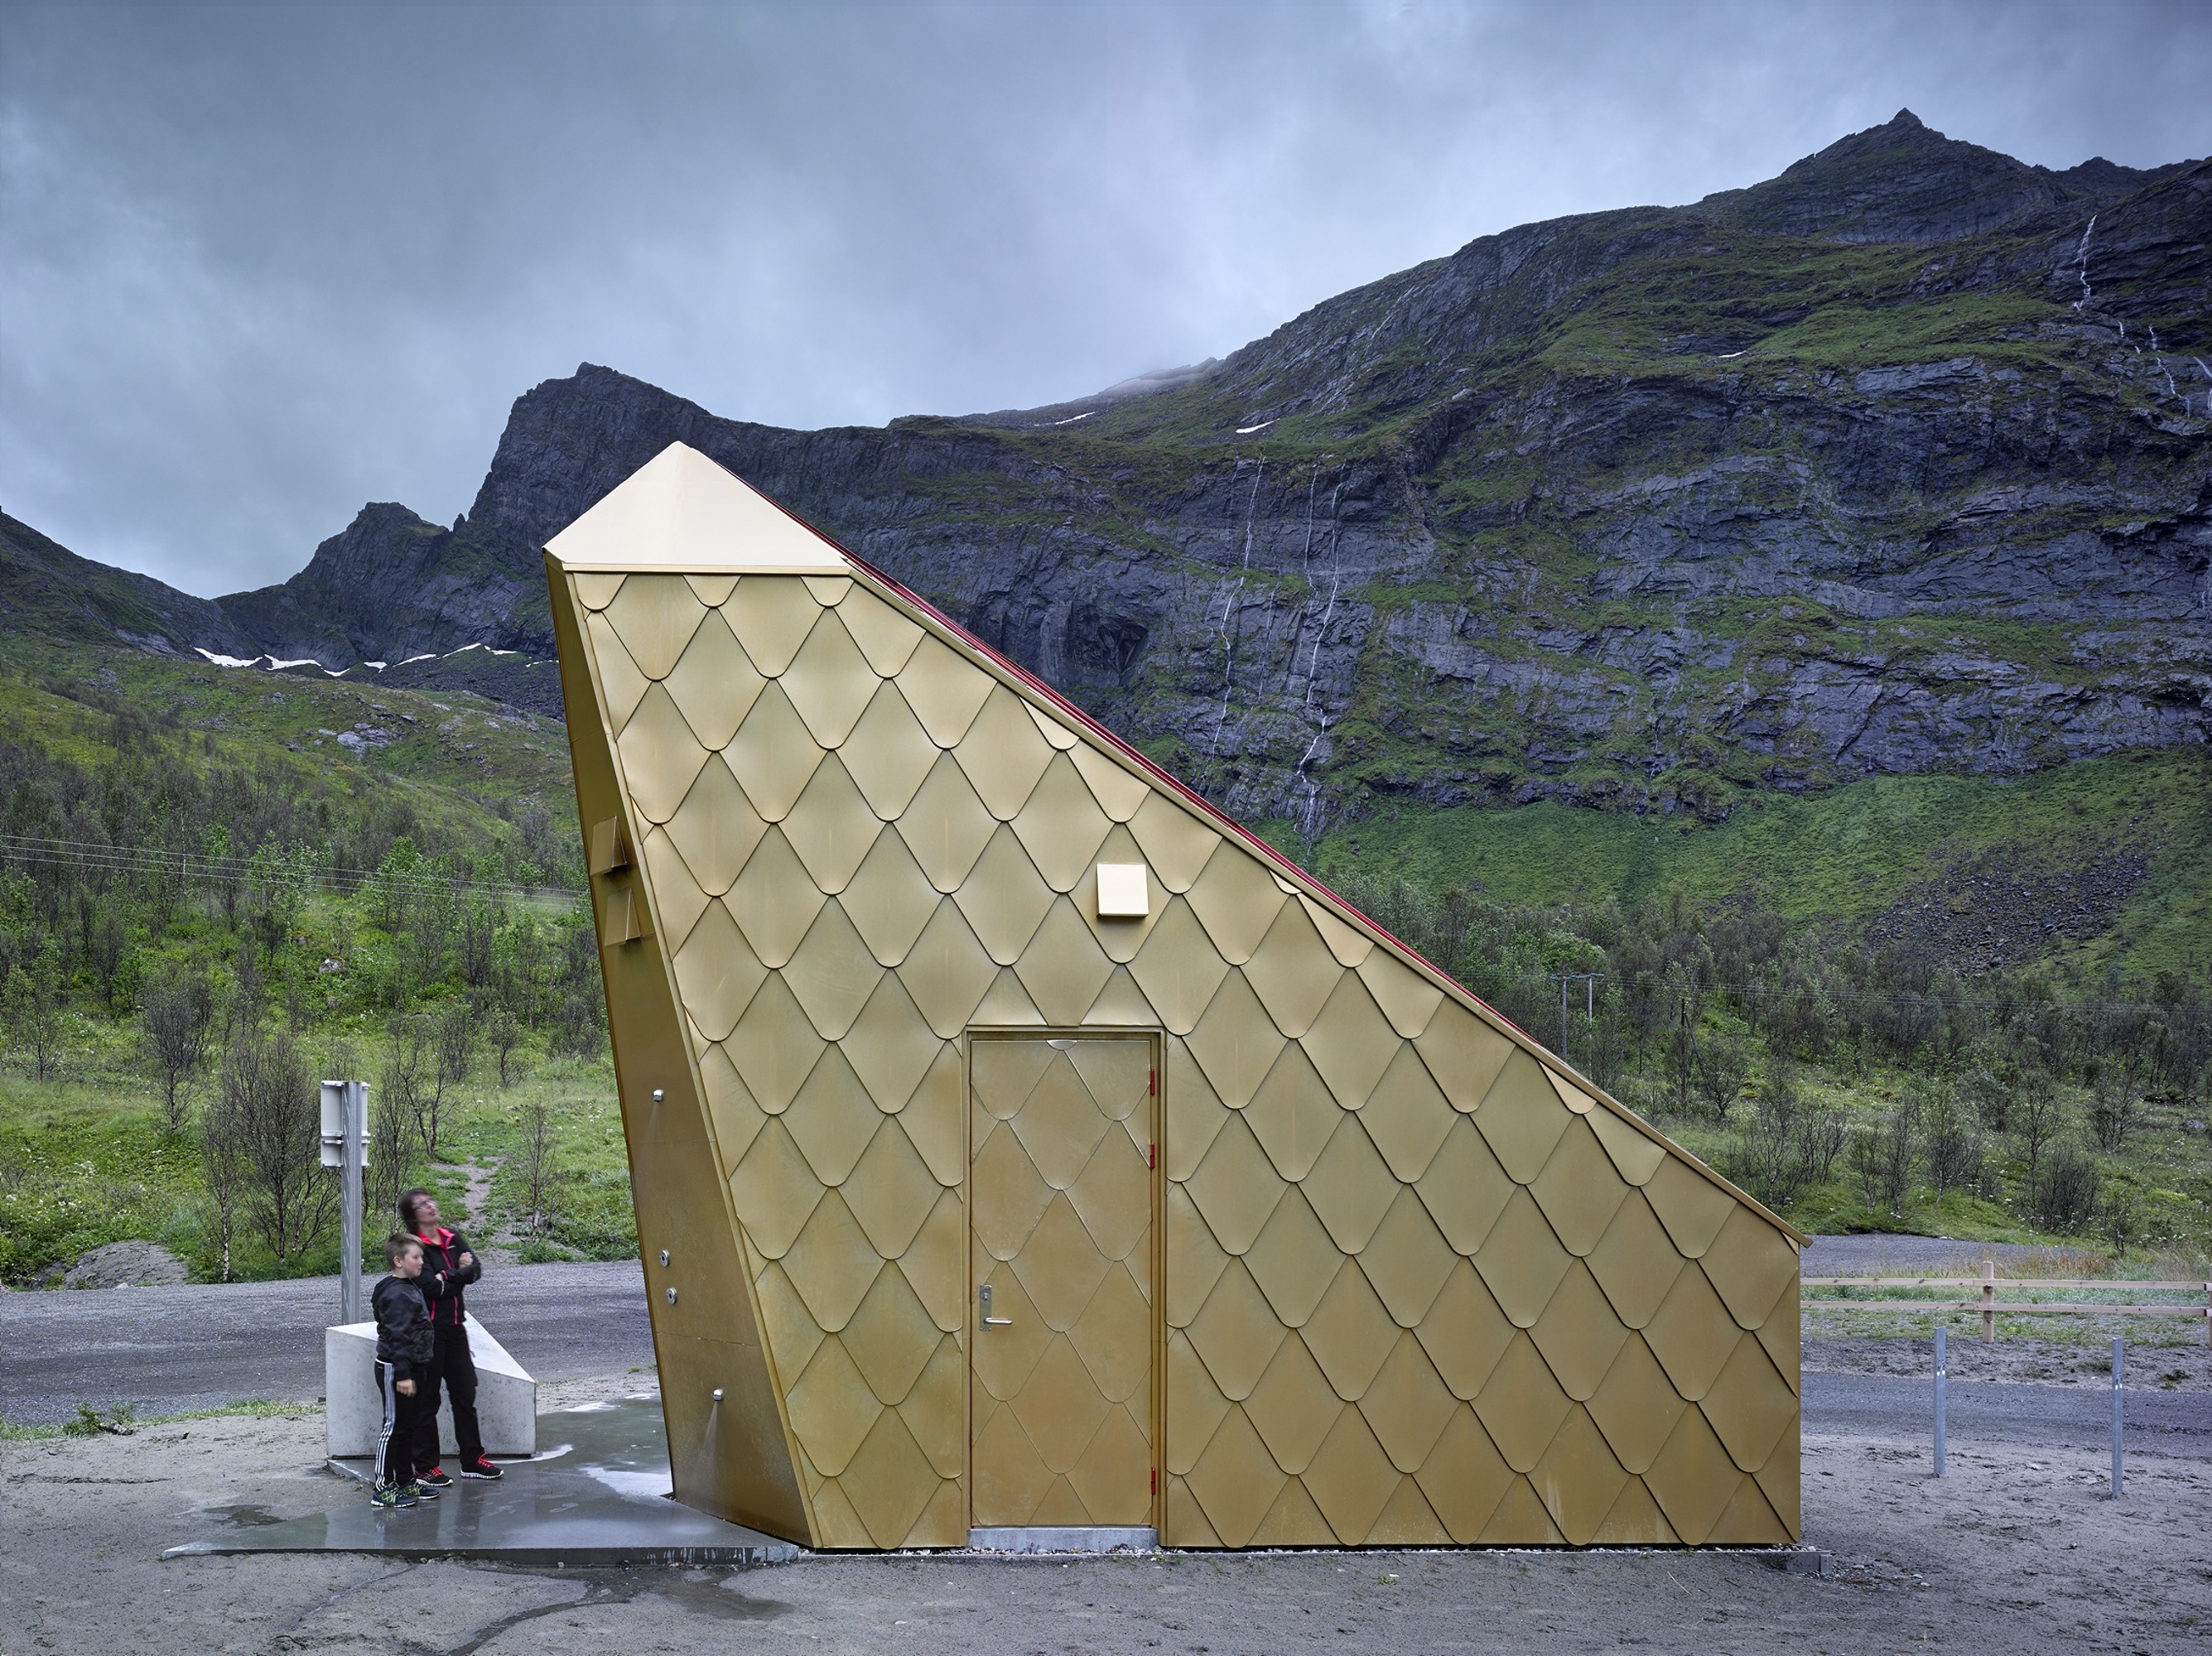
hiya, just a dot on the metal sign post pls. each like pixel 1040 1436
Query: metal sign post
pixel 345 1147
pixel 2119 1355
pixel 1941 1375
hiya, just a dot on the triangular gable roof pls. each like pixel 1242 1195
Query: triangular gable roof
pixel 682 511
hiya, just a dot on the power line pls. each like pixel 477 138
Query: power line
pixel 114 858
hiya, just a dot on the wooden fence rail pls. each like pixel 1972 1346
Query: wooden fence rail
pixel 1990 1305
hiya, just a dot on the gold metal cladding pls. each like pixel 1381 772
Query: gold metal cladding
pixel 1062 1395
pixel 1344 1258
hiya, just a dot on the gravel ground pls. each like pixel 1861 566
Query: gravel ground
pixel 2018 1550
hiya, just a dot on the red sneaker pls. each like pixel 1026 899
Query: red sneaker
pixel 480 1467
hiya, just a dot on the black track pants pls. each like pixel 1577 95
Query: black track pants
pixel 453 1368
pixel 395 1440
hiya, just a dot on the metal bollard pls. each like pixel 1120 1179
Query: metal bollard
pixel 2120 1423
pixel 1940 1378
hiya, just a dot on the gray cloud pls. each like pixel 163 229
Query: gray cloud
pixel 260 264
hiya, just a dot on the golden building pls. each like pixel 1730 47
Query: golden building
pixel 1020 1145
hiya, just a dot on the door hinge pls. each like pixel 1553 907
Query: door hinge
pixel 1152 1155
pixel 1156 1480
pixel 1152 1084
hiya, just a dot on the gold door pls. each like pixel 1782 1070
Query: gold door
pixel 1061 1408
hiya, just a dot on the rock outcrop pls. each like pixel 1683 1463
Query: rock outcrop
pixel 1900 461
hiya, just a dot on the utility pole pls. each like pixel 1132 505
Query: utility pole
pixel 1589 980
pixel 345 1147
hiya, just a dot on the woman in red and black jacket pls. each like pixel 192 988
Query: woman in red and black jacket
pixel 448 1267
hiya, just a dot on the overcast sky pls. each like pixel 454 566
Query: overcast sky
pixel 260 264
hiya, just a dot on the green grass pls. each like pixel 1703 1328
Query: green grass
pixel 85 1159
pixel 1841 856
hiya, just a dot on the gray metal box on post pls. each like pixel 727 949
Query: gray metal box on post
pixel 345 1147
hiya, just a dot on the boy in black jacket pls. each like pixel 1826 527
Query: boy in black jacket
pixel 404 1348
pixel 448 1267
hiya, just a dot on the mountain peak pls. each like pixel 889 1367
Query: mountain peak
pixel 1904 181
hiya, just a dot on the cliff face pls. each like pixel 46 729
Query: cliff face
pixel 1901 461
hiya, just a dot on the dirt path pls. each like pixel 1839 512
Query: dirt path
pixel 493 1245
pixel 2019 1551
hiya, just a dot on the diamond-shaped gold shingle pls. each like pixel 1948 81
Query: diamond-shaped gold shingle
pixel 890 1045
pixel 654 616
pixel 1062 966
pixel 1060 825
pixel 771 616
pixel 1350 1042
pixel 831 826
pixel 1578 1479
pixel 945 826
pixel 1407 999
pixel 773 1045
pixel 774 1190
pixel 1465 1333
pixel 1293 1260
pixel 1523 1405
pixel 773 754
pixel 1292 1115
pixel 831 974
pixel 1578 1335
pixel 1578 1189
pixel 888 752
pixel 1464 1187
pixel 1691 1333
pixel 1463 1054
pixel 716 973
pixel 944 690
pixel 1407 1404
pixel 1407 1116
pixel 832 1119
pixel 1292 971
pixel 715 828
pixel 713 685
pixel 1522 1118
pixel 773 902
pixel 1234 1187
pixel 1350 1333
pixel 1636 1406
pixel 886 638
pixel 1293 1406
pixel 1178 968
pixel 1351 1478
pixel 1235 900
pixel 1176 843
pixel 831 1264
pixel 1751 1264
pixel 1236 1043
pixel 831 1408
pixel 829 680
pixel 890 1192
pixel 1351 1187
pixel 1522 1261
pixel 1003 753
pixel 660 757
pixel 1406 1260
pixel 1236 1334
pixel 621 686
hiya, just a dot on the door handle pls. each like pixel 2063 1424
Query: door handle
pixel 983 1304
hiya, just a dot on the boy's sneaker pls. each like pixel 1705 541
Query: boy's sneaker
pixel 433 1479
pixel 421 1491
pixel 387 1496
pixel 480 1467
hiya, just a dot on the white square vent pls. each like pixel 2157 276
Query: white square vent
pixel 1123 894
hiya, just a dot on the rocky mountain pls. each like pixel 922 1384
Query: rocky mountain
pixel 1900 461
